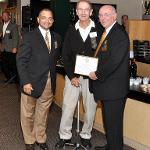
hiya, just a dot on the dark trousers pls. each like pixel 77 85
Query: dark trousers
pixel 9 64
pixel 113 122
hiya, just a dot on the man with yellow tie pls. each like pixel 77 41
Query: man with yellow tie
pixel 36 63
pixel 110 82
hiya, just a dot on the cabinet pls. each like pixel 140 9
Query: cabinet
pixel 140 30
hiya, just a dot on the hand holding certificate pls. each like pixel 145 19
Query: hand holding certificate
pixel 85 64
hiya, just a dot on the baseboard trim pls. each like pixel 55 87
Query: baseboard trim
pixel 134 144
pixel 130 142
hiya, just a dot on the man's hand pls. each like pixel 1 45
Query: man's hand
pixel 92 76
pixel 27 88
pixel 75 81
pixel 14 50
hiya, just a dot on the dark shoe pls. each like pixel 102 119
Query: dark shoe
pixel 30 147
pixel 61 143
pixel 86 143
pixel 12 82
pixel 43 146
pixel 6 80
pixel 9 81
pixel 105 147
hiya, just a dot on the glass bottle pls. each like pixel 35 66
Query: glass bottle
pixel 133 68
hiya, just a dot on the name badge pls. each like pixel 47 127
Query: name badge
pixel 7 31
pixel 55 44
pixel 93 34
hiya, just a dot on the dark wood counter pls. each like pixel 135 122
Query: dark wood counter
pixel 137 94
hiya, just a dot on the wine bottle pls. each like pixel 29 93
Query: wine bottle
pixel 133 68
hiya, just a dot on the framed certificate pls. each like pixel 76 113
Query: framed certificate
pixel 85 64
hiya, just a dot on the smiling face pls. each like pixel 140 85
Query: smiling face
pixel 107 15
pixel 83 10
pixel 124 19
pixel 45 19
pixel 6 16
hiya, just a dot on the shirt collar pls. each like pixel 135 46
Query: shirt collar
pixel 43 30
pixel 109 28
pixel 77 25
pixel 6 23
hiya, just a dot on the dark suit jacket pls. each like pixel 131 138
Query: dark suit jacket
pixel 34 62
pixel 11 37
pixel 113 66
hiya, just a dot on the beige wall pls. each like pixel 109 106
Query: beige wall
pixel 143 69
pixel 133 8
pixel 137 124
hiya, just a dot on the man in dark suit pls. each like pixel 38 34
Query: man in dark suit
pixel 10 40
pixel 109 83
pixel 36 63
pixel 124 22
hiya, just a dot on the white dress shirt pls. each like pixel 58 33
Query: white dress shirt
pixel 43 32
pixel 109 28
pixel 84 32
pixel 5 27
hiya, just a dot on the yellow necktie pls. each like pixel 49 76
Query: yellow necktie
pixel 47 41
pixel 100 43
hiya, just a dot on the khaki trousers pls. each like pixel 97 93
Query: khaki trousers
pixel 34 115
pixel 71 97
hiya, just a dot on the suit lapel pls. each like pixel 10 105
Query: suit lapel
pixel 109 34
pixel 52 41
pixel 111 31
pixel 79 36
pixel 40 35
pixel 107 37
pixel 41 39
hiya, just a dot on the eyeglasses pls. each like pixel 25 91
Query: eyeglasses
pixel 104 15
pixel 83 10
